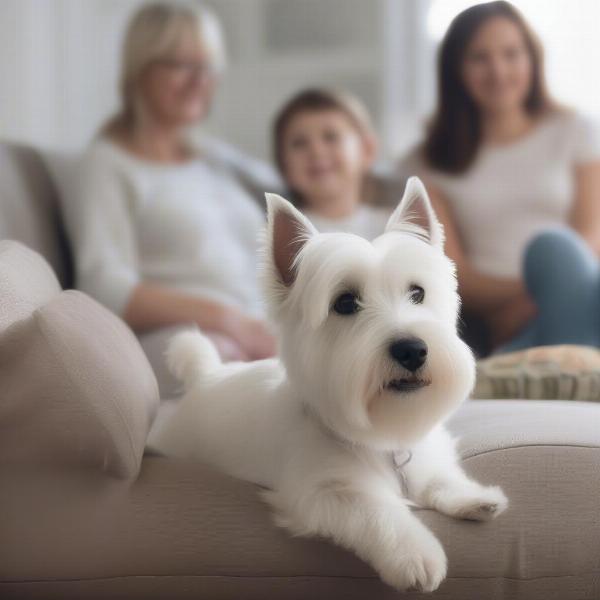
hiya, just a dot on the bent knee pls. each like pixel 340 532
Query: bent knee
pixel 559 255
pixel 555 241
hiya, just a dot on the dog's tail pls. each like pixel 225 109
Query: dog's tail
pixel 191 355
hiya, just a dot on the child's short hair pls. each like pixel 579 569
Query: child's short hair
pixel 318 99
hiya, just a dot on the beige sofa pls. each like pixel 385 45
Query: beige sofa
pixel 86 513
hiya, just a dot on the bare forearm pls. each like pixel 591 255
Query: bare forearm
pixel 585 213
pixel 151 306
pixel 591 235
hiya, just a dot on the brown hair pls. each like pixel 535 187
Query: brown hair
pixel 454 134
pixel 316 100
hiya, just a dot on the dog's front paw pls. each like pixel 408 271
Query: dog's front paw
pixel 480 504
pixel 419 564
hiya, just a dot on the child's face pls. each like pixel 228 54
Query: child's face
pixel 324 156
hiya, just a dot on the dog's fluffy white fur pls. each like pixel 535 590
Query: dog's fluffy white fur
pixel 320 427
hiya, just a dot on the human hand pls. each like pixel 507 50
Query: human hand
pixel 251 334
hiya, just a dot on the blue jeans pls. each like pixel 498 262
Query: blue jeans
pixel 562 275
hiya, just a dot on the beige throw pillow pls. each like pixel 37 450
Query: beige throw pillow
pixel 75 386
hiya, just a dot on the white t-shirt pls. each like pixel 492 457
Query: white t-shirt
pixel 189 226
pixel 513 192
pixel 366 221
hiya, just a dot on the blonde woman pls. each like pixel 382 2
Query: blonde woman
pixel 162 234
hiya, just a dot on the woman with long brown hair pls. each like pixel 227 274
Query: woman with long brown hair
pixel 515 179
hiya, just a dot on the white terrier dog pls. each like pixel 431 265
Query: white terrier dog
pixel 345 430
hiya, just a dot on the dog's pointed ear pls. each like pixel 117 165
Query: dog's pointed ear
pixel 415 211
pixel 288 232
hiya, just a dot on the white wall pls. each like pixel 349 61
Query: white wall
pixel 57 67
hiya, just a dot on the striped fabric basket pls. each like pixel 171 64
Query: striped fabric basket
pixel 543 373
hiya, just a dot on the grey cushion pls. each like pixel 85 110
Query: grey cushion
pixel 29 209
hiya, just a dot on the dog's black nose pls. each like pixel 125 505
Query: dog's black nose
pixel 410 353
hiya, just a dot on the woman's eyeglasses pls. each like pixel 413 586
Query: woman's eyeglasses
pixel 188 68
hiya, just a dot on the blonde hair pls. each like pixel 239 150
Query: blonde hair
pixel 152 34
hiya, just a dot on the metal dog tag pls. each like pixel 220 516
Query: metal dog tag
pixel 400 458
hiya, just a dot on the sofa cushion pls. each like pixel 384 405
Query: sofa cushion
pixel 183 530
pixel 75 386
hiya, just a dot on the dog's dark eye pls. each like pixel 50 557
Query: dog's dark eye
pixel 417 294
pixel 346 304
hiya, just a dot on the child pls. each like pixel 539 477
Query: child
pixel 324 147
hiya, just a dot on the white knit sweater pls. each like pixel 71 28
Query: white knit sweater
pixel 191 227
